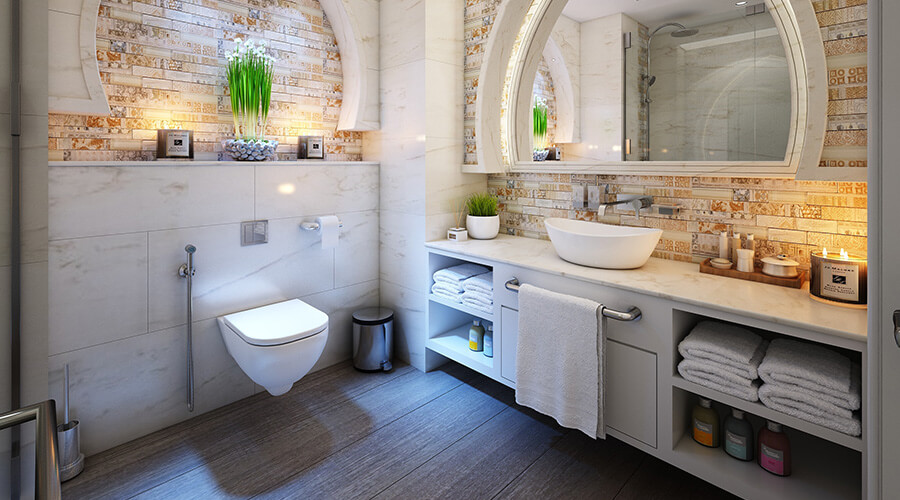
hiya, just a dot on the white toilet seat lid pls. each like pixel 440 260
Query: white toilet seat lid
pixel 278 323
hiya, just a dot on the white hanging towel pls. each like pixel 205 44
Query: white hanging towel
pixel 559 358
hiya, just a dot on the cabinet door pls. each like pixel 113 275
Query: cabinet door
pixel 509 336
pixel 631 391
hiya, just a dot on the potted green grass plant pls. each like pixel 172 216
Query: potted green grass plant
pixel 482 222
pixel 540 113
pixel 250 71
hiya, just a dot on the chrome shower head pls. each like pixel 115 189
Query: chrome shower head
pixel 681 31
pixel 685 32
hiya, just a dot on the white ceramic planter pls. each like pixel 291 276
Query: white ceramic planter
pixel 483 228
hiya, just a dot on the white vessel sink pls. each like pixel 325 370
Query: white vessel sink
pixel 602 245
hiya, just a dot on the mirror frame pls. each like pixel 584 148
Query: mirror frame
pixel 522 28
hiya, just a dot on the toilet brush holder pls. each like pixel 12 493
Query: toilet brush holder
pixel 71 460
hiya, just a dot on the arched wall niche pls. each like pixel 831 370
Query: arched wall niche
pixel 74 76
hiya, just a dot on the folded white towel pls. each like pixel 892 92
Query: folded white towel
pixel 447 291
pixel 789 402
pixel 476 295
pixel 713 376
pixel 826 373
pixel 803 401
pixel 478 305
pixel 559 359
pixel 482 283
pixel 735 348
pixel 457 274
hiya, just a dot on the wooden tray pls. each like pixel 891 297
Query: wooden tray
pixel 757 275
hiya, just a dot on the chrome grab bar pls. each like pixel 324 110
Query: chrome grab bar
pixel 46 463
pixel 632 314
pixel 187 271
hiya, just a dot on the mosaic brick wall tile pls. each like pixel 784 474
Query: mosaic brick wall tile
pixel 162 64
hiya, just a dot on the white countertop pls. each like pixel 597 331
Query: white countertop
pixel 679 281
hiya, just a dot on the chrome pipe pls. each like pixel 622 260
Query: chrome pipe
pixel 632 314
pixel 187 271
pixel 46 463
pixel 15 236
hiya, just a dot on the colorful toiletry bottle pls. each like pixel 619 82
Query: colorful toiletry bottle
pixel 705 424
pixel 738 436
pixel 476 336
pixel 774 450
pixel 489 341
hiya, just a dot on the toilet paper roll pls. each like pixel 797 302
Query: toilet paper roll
pixel 329 229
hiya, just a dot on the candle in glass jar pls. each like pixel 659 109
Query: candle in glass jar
pixel 839 278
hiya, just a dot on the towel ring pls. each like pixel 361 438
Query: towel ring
pixel 632 314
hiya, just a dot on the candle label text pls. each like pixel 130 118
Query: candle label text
pixel 840 281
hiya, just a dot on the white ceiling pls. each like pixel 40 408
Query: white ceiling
pixel 653 12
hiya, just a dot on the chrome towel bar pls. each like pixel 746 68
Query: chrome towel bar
pixel 632 314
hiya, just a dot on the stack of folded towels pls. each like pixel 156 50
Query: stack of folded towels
pixel 723 357
pixel 812 383
pixel 478 292
pixel 448 283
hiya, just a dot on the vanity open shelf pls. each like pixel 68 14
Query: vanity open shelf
pixel 761 410
pixel 648 404
pixel 454 344
pixel 461 307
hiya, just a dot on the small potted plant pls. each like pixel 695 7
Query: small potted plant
pixel 539 111
pixel 250 71
pixel 482 222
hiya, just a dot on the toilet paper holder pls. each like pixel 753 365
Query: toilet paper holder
pixel 314 226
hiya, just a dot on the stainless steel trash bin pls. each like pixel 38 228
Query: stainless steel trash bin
pixel 373 339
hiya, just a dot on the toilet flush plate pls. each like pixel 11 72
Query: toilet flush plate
pixel 254 232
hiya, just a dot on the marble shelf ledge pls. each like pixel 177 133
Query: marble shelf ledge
pixel 678 281
pixel 207 163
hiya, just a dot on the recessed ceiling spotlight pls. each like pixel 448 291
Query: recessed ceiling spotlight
pixel 740 4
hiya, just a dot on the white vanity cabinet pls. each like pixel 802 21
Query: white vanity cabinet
pixel 648 405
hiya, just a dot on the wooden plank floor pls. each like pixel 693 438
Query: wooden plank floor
pixel 344 434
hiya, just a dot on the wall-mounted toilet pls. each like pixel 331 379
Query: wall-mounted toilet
pixel 276 345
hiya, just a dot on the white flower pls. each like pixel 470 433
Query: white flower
pixel 263 43
pixel 238 41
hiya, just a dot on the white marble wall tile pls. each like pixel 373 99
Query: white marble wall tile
pixel 34 332
pixel 218 380
pixel 356 256
pixel 448 186
pixel 124 389
pixel 445 32
pixel 402 32
pixel 34 55
pixel 230 277
pixel 98 290
pixel 290 190
pixel 34 187
pixel 403 255
pixel 403 100
pixel 91 201
pixel 339 304
pixel 403 176
pixel 444 107
pixel 410 326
